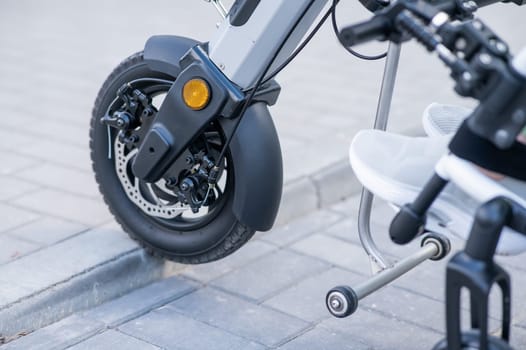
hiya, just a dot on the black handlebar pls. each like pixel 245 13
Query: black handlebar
pixel 383 25
pixel 377 28
pixel 482 68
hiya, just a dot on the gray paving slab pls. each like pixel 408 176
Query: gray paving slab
pixel 63 178
pixel 13 217
pixel 140 301
pixel 55 152
pixel 306 299
pixel 64 205
pixel 170 330
pixel 59 335
pixel 518 337
pixel 296 229
pixel 33 124
pixel 235 315
pixel 12 188
pixel 114 340
pixel 12 248
pixel 47 230
pixel 323 339
pixel 334 251
pixel 250 252
pixel 11 163
pixel 270 274
pixel 382 332
pixel 13 142
pixel 408 306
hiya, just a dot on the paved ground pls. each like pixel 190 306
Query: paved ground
pixel 57 239
pixel 271 294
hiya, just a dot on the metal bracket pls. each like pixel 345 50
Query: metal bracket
pixel 378 261
pixel 219 7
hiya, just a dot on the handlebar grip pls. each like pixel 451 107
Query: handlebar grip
pixel 377 28
pixel 374 5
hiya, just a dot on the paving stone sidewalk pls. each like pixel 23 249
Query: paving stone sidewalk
pixel 270 295
pixel 60 250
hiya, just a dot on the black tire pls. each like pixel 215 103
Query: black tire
pixel 189 241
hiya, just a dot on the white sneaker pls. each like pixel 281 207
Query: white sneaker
pixel 440 119
pixel 396 167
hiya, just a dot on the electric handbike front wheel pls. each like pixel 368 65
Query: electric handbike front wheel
pixel 179 217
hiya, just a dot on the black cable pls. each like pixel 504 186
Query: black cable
pixel 303 44
pixel 348 49
pixel 262 80
pixel 252 94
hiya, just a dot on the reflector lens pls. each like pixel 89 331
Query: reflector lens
pixel 196 94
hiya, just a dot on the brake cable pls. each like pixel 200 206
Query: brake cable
pixel 348 49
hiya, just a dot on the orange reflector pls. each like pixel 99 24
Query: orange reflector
pixel 196 94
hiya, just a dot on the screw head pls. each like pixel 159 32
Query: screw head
pixel 466 76
pixel 461 43
pixel 501 47
pixel 478 25
pixel 485 58
pixel 335 303
pixel 502 137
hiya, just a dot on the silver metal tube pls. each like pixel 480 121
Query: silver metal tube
pixel 388 83
pixel 219 7
pixel 378 261
pixel 388 275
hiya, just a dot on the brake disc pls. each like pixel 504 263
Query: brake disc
pixel 160 208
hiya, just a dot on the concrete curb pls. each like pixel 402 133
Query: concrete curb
pixel 99 284
pixel 303 195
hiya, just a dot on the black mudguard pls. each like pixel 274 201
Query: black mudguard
pixel 258 168
pixel 255 149
pixel 163 52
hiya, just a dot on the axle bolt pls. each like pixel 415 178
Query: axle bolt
pixel 186 185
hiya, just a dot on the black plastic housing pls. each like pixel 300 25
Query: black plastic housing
pixel 179 122
pixel 255 148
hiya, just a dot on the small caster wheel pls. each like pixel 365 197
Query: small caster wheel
pixel 341 301
pixel 470 341
pixel 442 242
